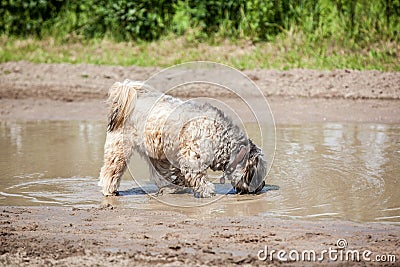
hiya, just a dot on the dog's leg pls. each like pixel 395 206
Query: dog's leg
pixel 166 176
pixel 160 172
pixel 193 164
pixel 198 181
pixel 116 155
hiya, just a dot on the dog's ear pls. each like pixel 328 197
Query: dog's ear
pixel 236 159
pixel 255 170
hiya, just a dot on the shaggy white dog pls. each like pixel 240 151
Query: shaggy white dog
pixel 180 141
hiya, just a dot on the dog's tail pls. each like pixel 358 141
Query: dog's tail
pixel 122 98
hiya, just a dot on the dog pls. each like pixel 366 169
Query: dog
pixel 180 140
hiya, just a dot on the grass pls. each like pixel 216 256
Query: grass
pixel 286 51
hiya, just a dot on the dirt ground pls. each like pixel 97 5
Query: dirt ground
pixel 41 236
pixel 108 235
pixel 74 92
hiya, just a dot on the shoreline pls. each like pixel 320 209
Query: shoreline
pixel 286 110
pixel 80 82
pixel 31 91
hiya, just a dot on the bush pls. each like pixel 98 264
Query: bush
pixel 124 20
pixel 128 20
pixel 27 17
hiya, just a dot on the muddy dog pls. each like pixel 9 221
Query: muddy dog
pixel 179 139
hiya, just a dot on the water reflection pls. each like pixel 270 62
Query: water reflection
pixel 324 171
pixel 344 170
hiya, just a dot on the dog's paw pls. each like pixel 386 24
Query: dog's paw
pixel 205 191
pixel 165 190
pixel 107 194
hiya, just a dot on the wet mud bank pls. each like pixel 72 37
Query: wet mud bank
pixel 105 236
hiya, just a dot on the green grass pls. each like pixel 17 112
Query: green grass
pixel 288 50
pixel 247 34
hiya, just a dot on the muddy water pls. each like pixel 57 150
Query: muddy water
pixel 321 171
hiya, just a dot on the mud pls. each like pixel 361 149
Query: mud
pixel 124 237
pixel 111 235
pixel 68 82
pixel 74 92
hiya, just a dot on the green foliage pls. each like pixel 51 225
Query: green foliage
pixel 27 17
pixel 121 20
pixel 358 20
pixel 286 52
pixel 307 33
pixel 128 20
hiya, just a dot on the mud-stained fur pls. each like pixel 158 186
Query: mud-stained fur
pixel 122 101
pixel 180 141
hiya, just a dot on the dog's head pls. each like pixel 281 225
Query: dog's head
pixel 248 169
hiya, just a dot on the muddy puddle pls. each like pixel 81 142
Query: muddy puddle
pixel 320 171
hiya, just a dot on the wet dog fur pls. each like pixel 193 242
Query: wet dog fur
pixel 180 141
